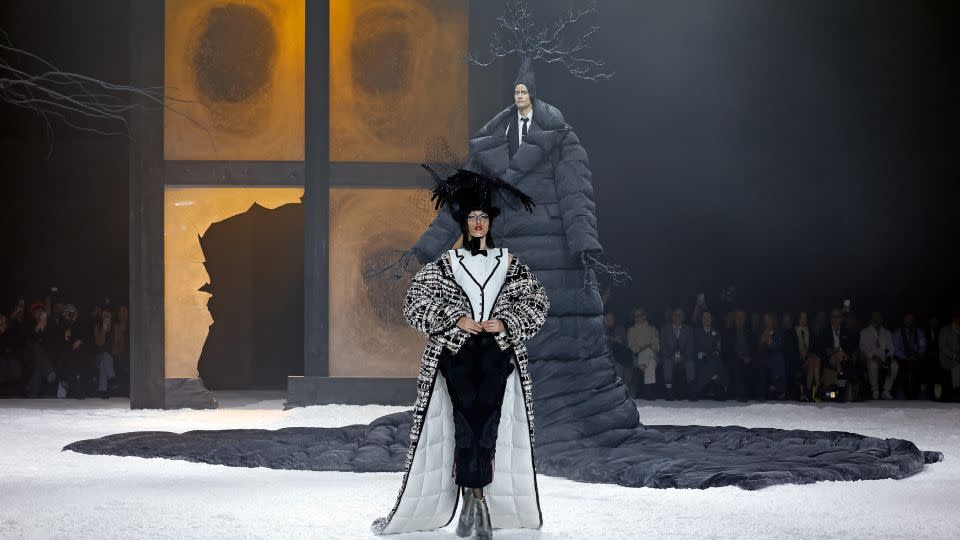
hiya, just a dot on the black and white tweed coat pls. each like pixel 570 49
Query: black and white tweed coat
pixel 433 305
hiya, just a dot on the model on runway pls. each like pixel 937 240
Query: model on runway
pixel 477 304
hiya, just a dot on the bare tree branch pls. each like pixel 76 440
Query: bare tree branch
pixel 52 93
pixel 517 33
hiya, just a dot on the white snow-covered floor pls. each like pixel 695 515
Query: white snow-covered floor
pixel 46 493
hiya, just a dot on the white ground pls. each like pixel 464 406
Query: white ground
pixel 46 493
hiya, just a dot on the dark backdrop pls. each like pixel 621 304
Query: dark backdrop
pixel 803 151
pixel 63 192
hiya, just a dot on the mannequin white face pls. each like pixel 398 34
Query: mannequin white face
pixel 521 97
pixel 478 223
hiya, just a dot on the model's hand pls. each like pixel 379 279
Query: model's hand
pixel 493 325
pixel 469 325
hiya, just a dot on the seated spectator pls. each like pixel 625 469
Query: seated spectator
pixel 910 349
pixel 644 343
pixel 73 365
pixel 756 323
pixel 800 348
pixel 876 349
pixel 820 322
pixel 676 348
pixel 711 375
pixel 746 373
pixel 932 386
pixel 950 352
pixel 837 347
pixel 11 368
pixel 37 350
pixel 101 343
pixel 770 352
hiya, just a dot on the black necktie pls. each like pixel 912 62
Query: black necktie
pixel 523 133
pixel 480 251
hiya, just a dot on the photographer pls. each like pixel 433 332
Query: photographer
pixel 876 348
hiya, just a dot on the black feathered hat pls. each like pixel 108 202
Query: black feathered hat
pixel 464 191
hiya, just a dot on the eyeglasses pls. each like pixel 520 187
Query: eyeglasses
pixel 478 217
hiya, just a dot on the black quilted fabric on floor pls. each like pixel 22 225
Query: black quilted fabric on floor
pixel 651 456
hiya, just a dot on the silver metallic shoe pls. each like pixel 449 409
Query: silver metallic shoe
pixel 482 519
pixel 467 513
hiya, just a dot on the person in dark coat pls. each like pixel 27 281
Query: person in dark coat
pixel 747 373
pixel 72 358
pixel 708 348
pixel 770 353
pixel 677 349
pixel 11 365
pixel 38 349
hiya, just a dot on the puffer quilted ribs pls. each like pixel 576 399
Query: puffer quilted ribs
pixel 429 496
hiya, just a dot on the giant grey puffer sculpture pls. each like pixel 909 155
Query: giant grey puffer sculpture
pixel 576 390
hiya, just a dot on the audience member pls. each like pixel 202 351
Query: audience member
pixel 800 349
pixel 710 374
pixel 676 348
pixel 746 373
pixel 909 350
pixel 933 379
pixel 11 368
pixel 73 365
pixel 644 343
pixel 770 352
pixel 102 347
pixel 37 350
pixel 950 351
pixel 876 349
pixel 837 347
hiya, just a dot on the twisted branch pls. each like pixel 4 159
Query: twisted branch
pixel 517 33
pixel 52 93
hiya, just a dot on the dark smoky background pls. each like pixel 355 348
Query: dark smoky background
pixel 804 152
pixel 801 151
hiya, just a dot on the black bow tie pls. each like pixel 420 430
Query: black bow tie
pixel 480 251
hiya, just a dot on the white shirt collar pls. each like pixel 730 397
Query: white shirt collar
pixel 529 116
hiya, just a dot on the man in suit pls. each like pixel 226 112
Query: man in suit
pixel 517 129
pixel 910 349
pixel 676 348
pixel 709 363
pixel 838 345
pixel 740 348
pixel 802 352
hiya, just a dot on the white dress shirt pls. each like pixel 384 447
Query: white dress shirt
pixel 519 124
pixel 481 277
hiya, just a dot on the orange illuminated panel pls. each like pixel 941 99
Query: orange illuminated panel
pixel 239 64
pixel 369 336
pixel 397 82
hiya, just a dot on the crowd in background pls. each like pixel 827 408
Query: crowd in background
pixel 733 354
pixel 49 348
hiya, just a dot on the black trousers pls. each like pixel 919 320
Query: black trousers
pixel 476 378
